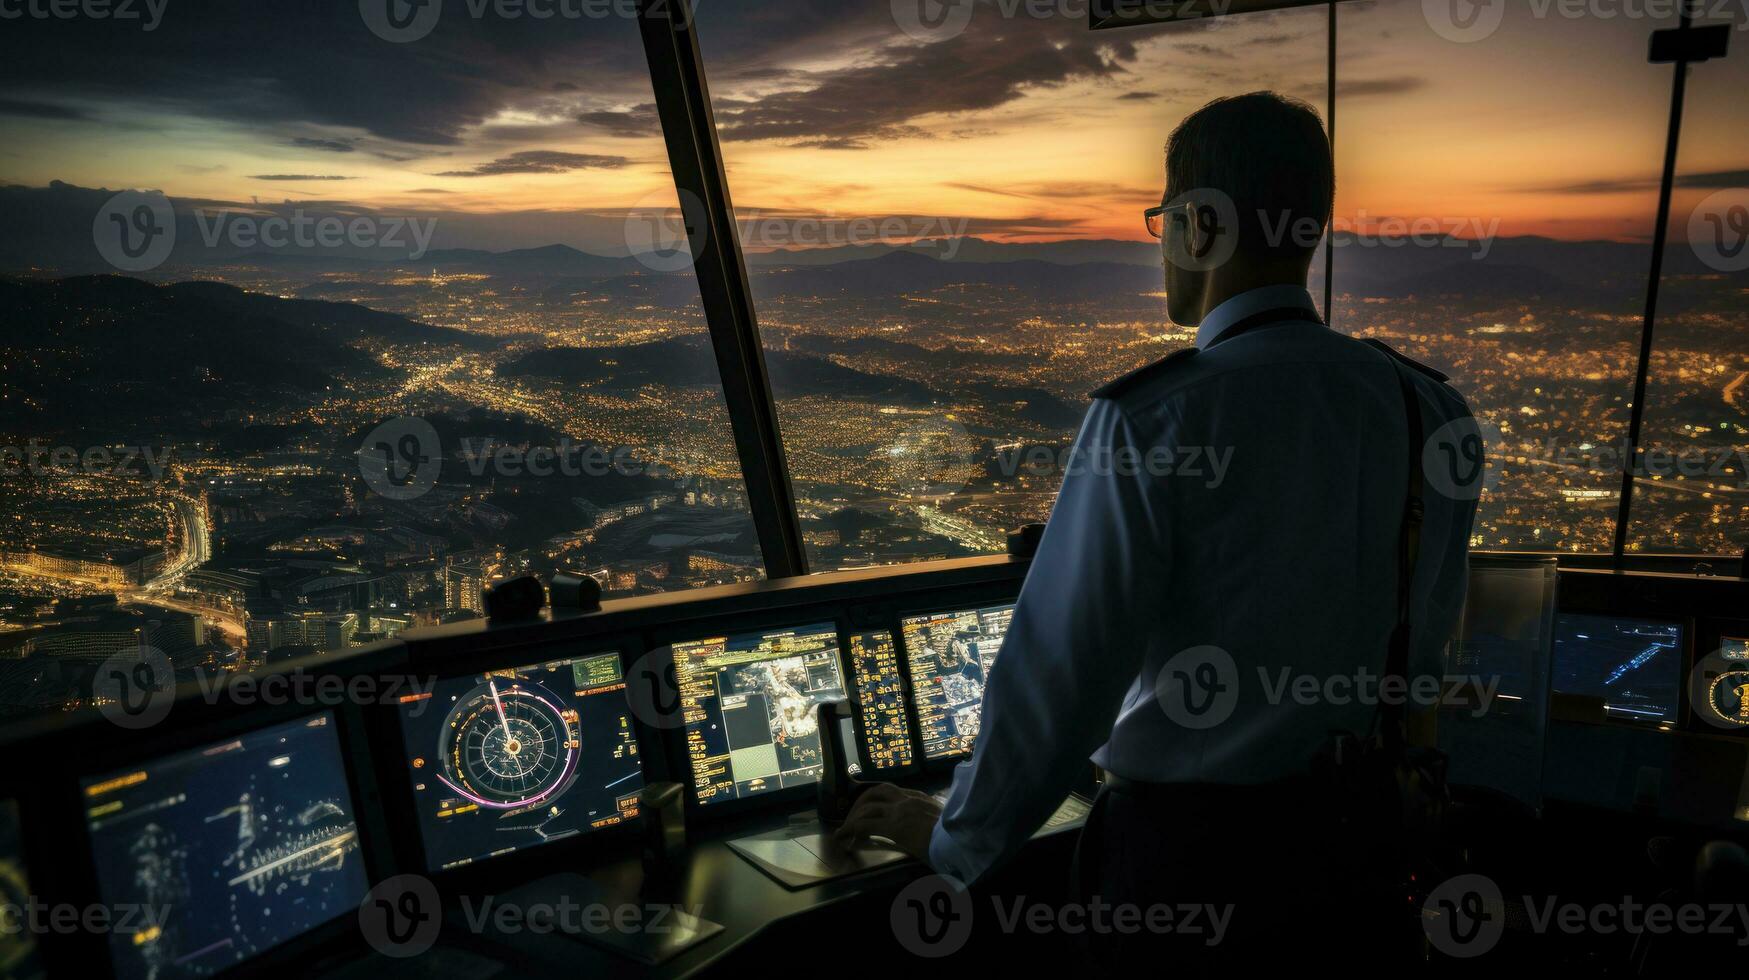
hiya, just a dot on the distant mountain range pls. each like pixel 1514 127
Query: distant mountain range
pixel 690 363
pixel 95 349
pixel 49 232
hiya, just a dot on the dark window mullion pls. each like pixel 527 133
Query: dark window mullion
pixel 689 129
pixel 1660 232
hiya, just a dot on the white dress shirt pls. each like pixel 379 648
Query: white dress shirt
pixel 1276 542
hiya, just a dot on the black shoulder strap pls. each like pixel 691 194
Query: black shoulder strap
pixel 1392 710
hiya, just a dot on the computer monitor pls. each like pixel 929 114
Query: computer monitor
pixel 1493 724
pixel 748 702
pixel 880 702
pixel 517 758
pixel 950 655
pixel 1633 665
pixel 18 954
pixel 226 850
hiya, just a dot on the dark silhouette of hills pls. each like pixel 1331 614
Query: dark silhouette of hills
pixel 897 273
pixel 970 250
pixel 690 363
pixel 98 349
pixel 550 260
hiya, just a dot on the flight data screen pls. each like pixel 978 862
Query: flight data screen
pixel 225 851
pixel 880 700
pixel 950 656
pixel 517 758
pixel 748 703
pixel 1634 665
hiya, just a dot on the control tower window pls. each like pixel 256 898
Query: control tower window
pixel 943 233
pixel 1505 240
pixel 385 322
pixel 1693 495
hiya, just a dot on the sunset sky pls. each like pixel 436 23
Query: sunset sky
pixel 526 133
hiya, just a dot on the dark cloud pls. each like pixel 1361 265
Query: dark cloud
pixel 1050 191
pixel 1138 96
pixel 635 123
pixel 316 63
pixel 1711 180
pixel 972 72
pixel 833 143
pixel 1360 87
pixel 331 146
pixel 541 162
pixel 1716 180
pixel 38 110
pixel 297 177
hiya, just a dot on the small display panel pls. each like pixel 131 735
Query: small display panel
pixel 880 700
pixel 748 702
pixel 1634 665
pixel 1721 694
pixel 517 758
pixel 18 956
pixel 950 655
pixel 227 850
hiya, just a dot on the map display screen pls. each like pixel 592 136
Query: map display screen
pixel 225 850
pixel 748 703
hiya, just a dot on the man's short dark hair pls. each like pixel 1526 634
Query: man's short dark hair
pixel 1269 154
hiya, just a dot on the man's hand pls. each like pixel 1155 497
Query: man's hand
pixel 903 816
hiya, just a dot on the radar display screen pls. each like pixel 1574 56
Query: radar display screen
pixel 1634 665
pixel 748 702
pixel 880 700
pixel 225 851
pixel 950 655
pixel 18 956
pixel 517 758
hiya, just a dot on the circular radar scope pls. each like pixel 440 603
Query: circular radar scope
pixel 1719 688
pixel 1727 698
pixel 507 744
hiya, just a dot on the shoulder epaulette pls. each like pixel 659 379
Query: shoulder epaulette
pixel 1130 380
pixel 1434 373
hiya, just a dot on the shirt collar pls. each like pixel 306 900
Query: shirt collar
pixel 1248 303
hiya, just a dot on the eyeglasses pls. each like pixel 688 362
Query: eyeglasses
pixel 1156 217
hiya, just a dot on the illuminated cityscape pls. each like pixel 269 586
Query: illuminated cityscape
pixel 245 451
